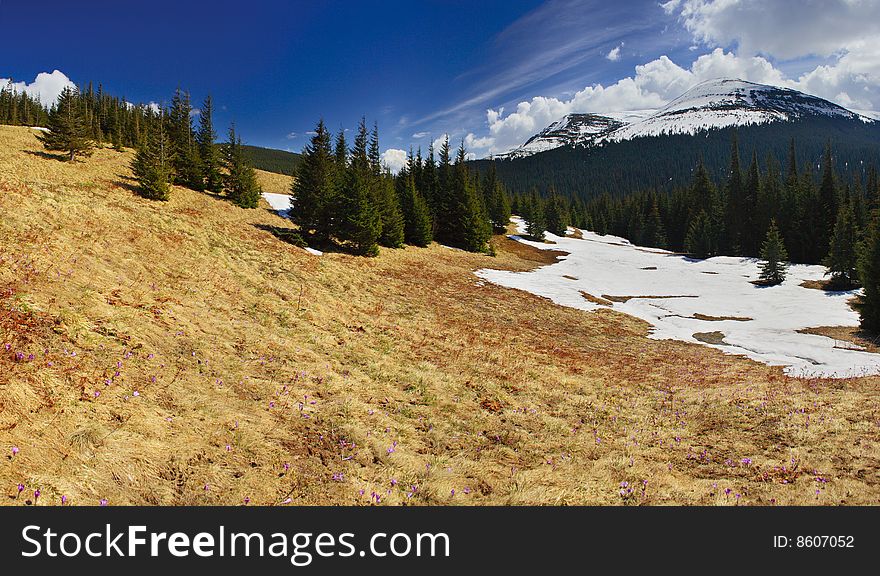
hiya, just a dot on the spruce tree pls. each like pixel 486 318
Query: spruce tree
pixel 655 233
pixel 774 265
pixel 208 153
pixel 390 215
pixel 417 216
pixel 241 180
pixel 68 127
pixel 752 191
pixel 827 208
pixel 735 212
pixel 555 216
pixel 315 187
pixel 869 276
pixel 360 224
pixel 497 202
pixel 186 161
pixel 533 215
pixel 152 163
pixel 471 228
pixel 842 259
pixel 700 240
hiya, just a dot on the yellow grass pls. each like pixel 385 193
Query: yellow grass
pixel 399 371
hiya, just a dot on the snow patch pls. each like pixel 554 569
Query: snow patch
pixel 279 202
pixel 682 297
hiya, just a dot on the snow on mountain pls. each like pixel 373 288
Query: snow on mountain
pixel 714 104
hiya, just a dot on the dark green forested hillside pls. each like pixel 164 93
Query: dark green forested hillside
pixel 665 162
pixel 271 160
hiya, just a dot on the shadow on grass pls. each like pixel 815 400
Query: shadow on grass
pixel 48 156
pixel 293 236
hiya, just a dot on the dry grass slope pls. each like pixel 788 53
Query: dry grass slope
pixel 179 353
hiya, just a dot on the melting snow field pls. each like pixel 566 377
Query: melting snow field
pixel 681 297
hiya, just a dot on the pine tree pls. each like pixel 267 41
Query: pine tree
pixel 360 224
pixel 869 276
pixel 735 213
pixel 68 128
pixel 827 207
pixel 555 216
pixel 417 216
pixel 752 191
pixel 315 188
pixel 241 180
pixel 390 214
pixel 842 259
pixel 497 202
pixel 533 215
pixel 152 163
pixel 208 153
pixel 469 227
pixel 186 162
pixel 655 233
pixel 700 239
pixel 774 256
pixel 443 196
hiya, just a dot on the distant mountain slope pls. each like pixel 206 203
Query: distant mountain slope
pixel 714 104
pixel 271 160
pixel 588 154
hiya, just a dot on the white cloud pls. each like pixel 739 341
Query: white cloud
pixel 614 55
pixel 291 135
pixel 46 86
pixel 852 82
pixel 420 135
pixel 394 159
pixel 784 29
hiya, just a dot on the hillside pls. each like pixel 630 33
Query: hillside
pixel 271 160
pixel 180 353
pixel 586 155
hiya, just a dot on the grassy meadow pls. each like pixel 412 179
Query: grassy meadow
pixel 182 353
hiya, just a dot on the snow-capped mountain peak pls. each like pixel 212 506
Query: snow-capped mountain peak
pixel 714 104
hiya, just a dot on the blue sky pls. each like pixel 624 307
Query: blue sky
pixel 492 72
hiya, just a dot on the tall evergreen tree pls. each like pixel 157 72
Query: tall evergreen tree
pixel 497 202
pixel 555 216
pixel 360 224
pixel 186 162
pixel 774 265
pixel 655 233
pixel 842 259
pixel 869 276
pixel 68 128
pixel 751 194
pixel 734 194
pixel 241 180
pixel 208 153
pixel 315 205
pixel 533 215
pixel 700 239
pixel 417 216
pixel 827 202
pixel 470 228
pixel 152 163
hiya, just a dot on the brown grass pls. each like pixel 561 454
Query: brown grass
pixel 709 318
pixel 845 336
pixel 398 371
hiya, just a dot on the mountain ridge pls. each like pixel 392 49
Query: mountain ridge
pixel 713 104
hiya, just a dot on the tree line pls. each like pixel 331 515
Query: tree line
pixel 346 196
pixel 170 149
